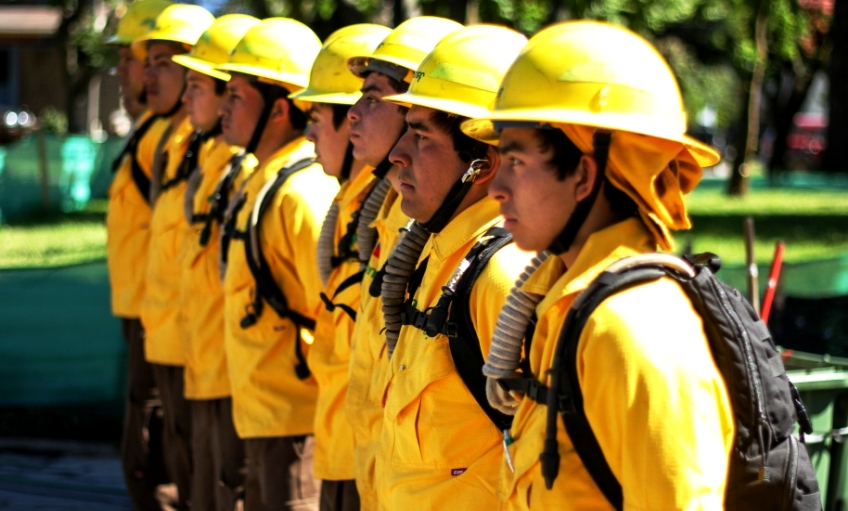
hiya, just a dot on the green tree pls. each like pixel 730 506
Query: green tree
pixel 83 43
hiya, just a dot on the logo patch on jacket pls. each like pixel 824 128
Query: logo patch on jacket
pixel 458 471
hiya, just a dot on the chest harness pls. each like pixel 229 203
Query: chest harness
pixel 266 288
pixel 349 246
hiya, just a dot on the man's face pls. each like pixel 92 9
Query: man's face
pixel 130 73
pixel 535 203
pixel 330 142
pixel 429 165
pixel 375 125
pixel 240 111
pixel 163 77
pixel 201 101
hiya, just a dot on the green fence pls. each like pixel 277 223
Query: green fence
pixel 59 344
pixel 46 171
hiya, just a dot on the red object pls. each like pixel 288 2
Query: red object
pixel 774 275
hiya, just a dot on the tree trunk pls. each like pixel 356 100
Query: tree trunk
pixel 457 10
pixel 750 136
pixel 784 112
pixel 399 14
pixel 259 8
pixel 836 155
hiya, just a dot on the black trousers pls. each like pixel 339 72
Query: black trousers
pixel 141 444
pixel 218 456
pixel 279 474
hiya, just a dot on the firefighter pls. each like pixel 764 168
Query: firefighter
pixel 595 162
pixel 445 283
pixel 217 452
pixel 271 282
pixel 128 236
pixel 375 127
pixel 331 91
pixel 177 29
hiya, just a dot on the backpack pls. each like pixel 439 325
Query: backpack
pixel 451 316
pixel 769 467
pixel 266 288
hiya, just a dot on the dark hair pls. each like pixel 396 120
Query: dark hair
pixel 273 92
pixel 466 147
pixel 398 86
pixel 565 158
pixel 339 115
pixel 220 86
pixel 297 117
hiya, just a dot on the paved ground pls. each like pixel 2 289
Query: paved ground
pixel 60 476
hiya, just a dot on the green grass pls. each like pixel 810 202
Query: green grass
pixel 812 224
pixel 55 239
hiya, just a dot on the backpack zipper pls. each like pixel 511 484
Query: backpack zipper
pixel 753 372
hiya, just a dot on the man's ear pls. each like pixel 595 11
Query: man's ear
pixel 281 110
pixel 585 175
pixel 493 161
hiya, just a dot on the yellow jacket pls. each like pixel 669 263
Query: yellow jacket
pixel 368 360
pixel 329 355
pixel 268 398
pixel 652 393
pixel 128 225
pixel 161 312
pixel 437 444
pixel 206 375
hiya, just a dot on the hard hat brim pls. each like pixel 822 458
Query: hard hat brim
pixel 442 104
pixel 483 129
pixel 319 96
pixel 139 46
pixel 201 66
pixel 286 80
pixel 359 65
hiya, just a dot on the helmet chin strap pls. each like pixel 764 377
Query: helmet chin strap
pixel 458 192
pixel 270 94
pixel 347 163
pixel 562 243
pixel 179 104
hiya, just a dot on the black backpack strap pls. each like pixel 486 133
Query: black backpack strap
pixel 220 198
pixel 352 280
pixel 568 398
pixel 465 344
pixel 346 247
pixel 142 182
pixel 266 288
pixel 376 287
pixel 452 317
pixel 188 163
pixel 131 145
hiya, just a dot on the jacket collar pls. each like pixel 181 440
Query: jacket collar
pixel 602 248
pixel 468 225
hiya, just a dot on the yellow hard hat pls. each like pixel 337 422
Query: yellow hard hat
pixel 139 19
pixel 405 47
pixel 463 72
pixel 215 45
pixel 596 75
pixel 180 23
pixel 330 81
pixel 278 51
